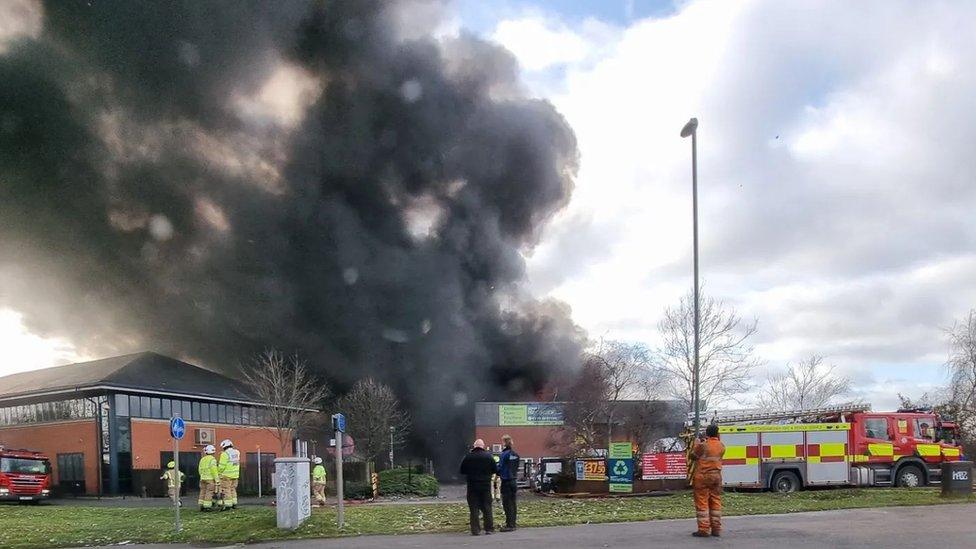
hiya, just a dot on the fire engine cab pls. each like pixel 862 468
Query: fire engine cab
pixel 846 445
pixel 24 475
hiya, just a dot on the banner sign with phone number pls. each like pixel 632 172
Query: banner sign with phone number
pixel 664 465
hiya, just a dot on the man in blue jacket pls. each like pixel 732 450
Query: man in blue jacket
pixel 508 465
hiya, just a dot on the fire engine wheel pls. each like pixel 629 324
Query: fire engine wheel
pixel 909 476
pixel 785 482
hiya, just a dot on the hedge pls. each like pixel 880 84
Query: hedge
pixel 403 482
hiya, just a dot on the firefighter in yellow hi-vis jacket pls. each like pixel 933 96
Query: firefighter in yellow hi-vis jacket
pixel 170 477
pixel 208 478
pixel 229 468
pixel 318 482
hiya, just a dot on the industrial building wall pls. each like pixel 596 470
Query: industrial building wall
pixel 530 442
pixel 151 436
pixel 61 437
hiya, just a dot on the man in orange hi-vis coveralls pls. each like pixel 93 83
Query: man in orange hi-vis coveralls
pixel 707 483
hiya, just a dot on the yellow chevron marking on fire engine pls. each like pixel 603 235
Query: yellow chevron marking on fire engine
pixel 814 459
pixel 881 449
pixel 793 427
pixel 752 461
pixel 928 450
pixel 734 452
pixel 950 452
pixel 832 448
pixel 782 451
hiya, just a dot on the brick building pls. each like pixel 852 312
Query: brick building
pixel 105 424
pixel 538 428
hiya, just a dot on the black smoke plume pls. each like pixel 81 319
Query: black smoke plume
pixel 208 179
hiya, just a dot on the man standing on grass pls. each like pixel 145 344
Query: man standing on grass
pixel 707 483
pixel 508 465
pixel 478 466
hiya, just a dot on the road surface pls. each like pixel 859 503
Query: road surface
pixel 891 528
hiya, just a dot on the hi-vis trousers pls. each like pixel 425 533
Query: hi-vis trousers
pixel 708 501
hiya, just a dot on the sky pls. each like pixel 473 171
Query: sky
pixel 835 172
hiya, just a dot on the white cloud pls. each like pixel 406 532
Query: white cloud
pixel 24 351
pixel 834 175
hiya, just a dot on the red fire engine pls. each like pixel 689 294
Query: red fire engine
pixel 24 475
pixel 846 445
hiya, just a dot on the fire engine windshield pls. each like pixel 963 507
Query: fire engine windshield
pixel 23 466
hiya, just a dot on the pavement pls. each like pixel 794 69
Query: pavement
pixel 891 528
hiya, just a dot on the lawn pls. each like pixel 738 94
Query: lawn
pixel 56 526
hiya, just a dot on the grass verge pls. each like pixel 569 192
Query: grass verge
pixel 54 526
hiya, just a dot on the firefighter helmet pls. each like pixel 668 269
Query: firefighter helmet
pixel 171 465
pixel 318 461
pixel 209 449
pixel 226 443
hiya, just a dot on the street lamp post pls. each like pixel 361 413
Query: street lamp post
pixel 391 445
pixel 691 128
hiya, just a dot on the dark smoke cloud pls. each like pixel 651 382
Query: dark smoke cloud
pixel 143 205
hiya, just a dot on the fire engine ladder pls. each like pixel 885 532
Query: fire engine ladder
pixel 757 416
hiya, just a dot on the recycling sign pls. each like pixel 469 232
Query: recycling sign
pixel 621 473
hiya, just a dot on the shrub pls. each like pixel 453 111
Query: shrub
pixel 356 490
pixel 403 482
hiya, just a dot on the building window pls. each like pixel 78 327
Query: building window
pixel 122 405
pixel 236 420
pixel 186 409
pixel 222 411
pixel 134 406
pixel 167 408
pixel 155 407
pixel 196 411
pixel 213 412
pixel 146 407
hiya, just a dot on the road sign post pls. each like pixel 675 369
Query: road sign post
pixel 339 425
pixel 177 428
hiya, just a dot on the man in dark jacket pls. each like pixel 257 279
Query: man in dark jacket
pixel 508 467
pixel 478 466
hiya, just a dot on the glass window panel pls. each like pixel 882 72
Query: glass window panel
pixel 246 415
pixel 122 405
pixel 134 406
pixel 196 412
pixel 204 412
pixel 236 418
pixel 155 408
pixel 223 413
pixel 186 409
pixel 167 408
pixel 144 405
pixel 213 412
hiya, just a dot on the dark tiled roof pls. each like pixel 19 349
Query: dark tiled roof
pixel 149 372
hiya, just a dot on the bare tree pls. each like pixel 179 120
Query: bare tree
pixel 806 384
pixel 961 366
pixel 624 366
pixel 612 372
pixel 586 406
pixel 725 357
pixel 374 414
pixel 291 395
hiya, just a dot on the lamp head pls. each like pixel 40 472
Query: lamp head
pixel 690 127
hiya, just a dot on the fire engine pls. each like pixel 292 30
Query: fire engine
pixel 24 475
pixel 844 445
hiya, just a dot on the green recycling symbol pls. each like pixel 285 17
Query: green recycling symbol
pixel 620 468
